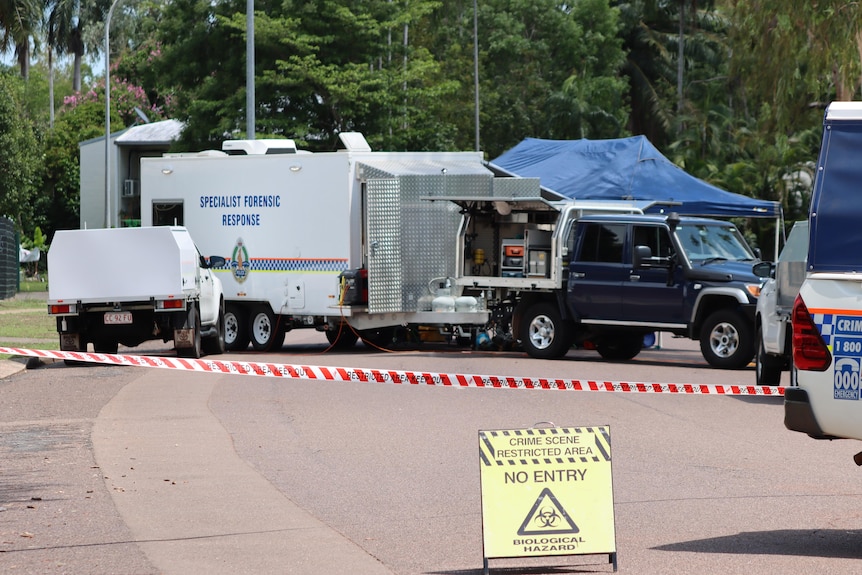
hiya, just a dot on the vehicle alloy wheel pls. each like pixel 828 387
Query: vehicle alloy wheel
pixel 544 334
pixel 726 340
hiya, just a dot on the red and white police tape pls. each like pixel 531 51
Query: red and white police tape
pixel 398 377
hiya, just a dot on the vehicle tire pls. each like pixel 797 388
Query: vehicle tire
pixel 216 345
pixel 263 330
pixel 195 350
pixel 767 367
pixel 726 340
pixel 544 334
pixel 621 347
pixel 235 328
pixel 341 338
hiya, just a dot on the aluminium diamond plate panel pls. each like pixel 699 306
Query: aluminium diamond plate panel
pixel 412 240
pixel 383 206
pixel 517 187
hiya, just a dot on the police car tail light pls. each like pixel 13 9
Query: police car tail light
pixel 809 350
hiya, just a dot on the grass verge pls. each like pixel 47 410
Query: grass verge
pixel 25 323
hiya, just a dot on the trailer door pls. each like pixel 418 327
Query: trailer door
pixel 383 245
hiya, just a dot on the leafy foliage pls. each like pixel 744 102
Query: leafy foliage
pixel 19 166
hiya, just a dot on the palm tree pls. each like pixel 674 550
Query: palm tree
pixel 64 25
pixel 19 20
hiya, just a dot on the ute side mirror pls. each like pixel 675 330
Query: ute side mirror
pixel 764 270
pixel 642 256
pixel 213 262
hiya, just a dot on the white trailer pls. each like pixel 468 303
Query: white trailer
pixel 130 285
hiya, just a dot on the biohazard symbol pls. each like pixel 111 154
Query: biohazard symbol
pixel 547 517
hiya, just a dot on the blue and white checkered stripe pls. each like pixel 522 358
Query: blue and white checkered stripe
pixel 308 265
pixel 825 322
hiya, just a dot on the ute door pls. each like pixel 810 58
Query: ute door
pixel 597 273
pixel 653 292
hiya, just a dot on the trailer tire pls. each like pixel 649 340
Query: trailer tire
pixel 195 351
pixel 544 334
pixel 379 339
pixel 342 337
pixel 235 328
pixel 263 330
pixel 216 345
pixel 726 340
pixel 767 368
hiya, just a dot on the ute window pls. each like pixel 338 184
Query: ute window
pixel 655 238
pixel 603 243
pixel 704 243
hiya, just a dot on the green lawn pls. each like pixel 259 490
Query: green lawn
pixel 27 319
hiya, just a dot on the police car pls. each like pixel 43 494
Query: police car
pixel 827 313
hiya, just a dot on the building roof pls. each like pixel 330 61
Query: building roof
pixel 163 132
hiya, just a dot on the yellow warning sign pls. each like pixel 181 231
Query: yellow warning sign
pixel 547 491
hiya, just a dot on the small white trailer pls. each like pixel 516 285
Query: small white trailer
pixel 130 285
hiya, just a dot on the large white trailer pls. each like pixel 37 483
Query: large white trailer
pixel 302 232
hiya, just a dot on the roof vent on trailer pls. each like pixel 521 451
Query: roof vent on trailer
pixel 258 147
pixel 353 142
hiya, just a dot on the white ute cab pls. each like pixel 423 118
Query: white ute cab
pixel 827 313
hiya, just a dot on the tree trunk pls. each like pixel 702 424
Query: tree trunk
pixel 23 53
pixel 680 64
pixel 50 87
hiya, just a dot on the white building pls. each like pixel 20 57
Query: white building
pixel 129 146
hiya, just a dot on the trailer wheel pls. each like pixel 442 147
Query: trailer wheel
pixel 216 345
pixel 544 334
pixel 235 329
pixel 767 368
pixel 622 346
pixel 341 337
pixel 726 340
pixel 263 330
pixel 194 351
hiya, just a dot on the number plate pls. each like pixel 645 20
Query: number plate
pixel 118 317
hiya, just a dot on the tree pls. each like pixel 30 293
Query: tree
pixel 19 20
pixel 19 162
pixel 79 120
pixel 793 56
pixel 548 70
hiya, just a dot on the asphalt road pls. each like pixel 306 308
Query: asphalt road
pixel 133 470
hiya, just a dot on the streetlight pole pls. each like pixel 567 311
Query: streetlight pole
pixel 476 67
pixel 249 70
pixel 108 115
